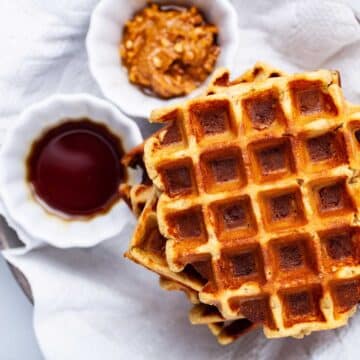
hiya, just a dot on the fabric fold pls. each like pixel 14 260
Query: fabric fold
pixel 92 303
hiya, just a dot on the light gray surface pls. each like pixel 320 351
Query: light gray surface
pixel 17 339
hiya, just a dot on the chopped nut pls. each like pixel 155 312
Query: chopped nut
pixel 178 47
pixel 165 42
pixel 157 62
pixel 170 52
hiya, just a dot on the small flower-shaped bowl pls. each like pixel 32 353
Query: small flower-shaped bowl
pixel 24 210
pixel 103 43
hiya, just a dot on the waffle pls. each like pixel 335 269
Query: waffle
pixel 259 186
pixel 202 314
pixel 142 249
pixel 137 194
pixel 171 285
pixel 147 245
pixel 149 242
pixel 261 71
pixel 226 332
pixel 147 249
pixel 141 199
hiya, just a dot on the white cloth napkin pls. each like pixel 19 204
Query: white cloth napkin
pixel 94 304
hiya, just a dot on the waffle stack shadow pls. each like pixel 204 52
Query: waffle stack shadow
pixel 253 211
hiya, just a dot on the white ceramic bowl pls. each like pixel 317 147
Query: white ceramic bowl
pixel 104 38
pixel 15 191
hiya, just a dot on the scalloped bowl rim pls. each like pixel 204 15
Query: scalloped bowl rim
pixel 104 36
pixel 15 192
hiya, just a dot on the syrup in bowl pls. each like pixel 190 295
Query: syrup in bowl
pixel 74 169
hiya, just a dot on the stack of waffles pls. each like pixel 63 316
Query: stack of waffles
pixel 251 203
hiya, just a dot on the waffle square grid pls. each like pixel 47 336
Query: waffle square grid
pixel 260 185
pixel 149 250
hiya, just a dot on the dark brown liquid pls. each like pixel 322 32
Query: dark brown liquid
pixel 75 168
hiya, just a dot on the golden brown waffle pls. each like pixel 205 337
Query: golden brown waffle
pixel 226 332
pixel 259 185
pixel 147 245
pixel 149 242
pixel 171 285
pixel 202 314
pixel 138 195
pixel 261 71
pixel 147 249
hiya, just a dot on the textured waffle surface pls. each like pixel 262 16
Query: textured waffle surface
pixel 148 245
pixel 148 249
pixel 259 189
pixel 261 71
pixel 226 332
pixel 147 239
